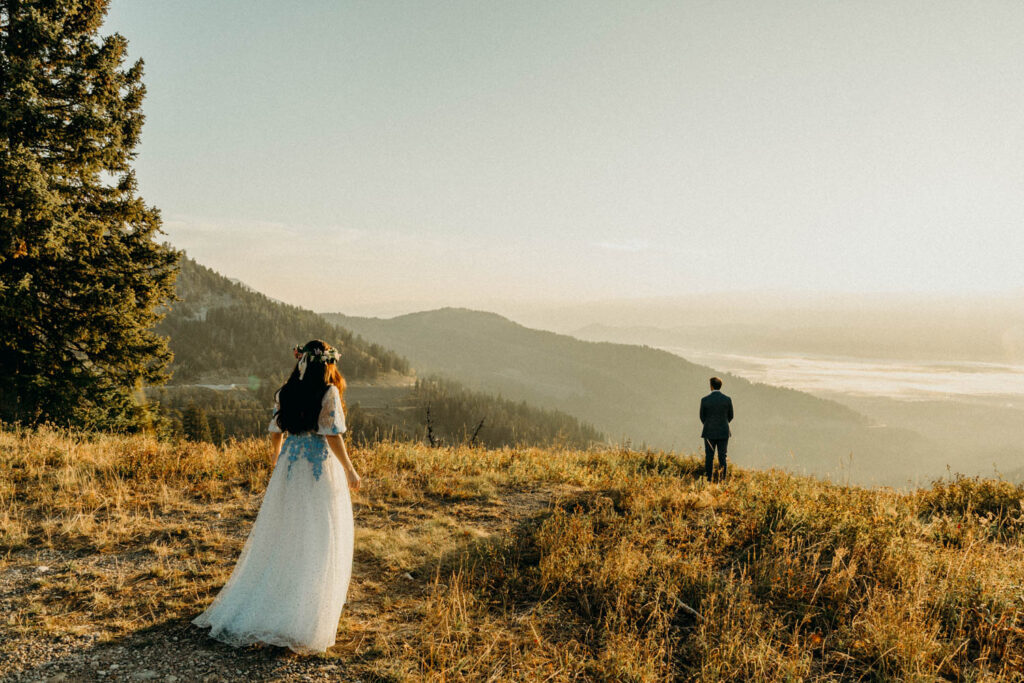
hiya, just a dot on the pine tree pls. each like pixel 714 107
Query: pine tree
pixel 82 279
pixel 216 430
pixel 195 424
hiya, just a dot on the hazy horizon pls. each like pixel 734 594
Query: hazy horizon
pixel 395 156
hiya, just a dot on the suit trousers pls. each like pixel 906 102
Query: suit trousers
pixel 710 446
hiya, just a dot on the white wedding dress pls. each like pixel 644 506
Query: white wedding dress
pixel 290 582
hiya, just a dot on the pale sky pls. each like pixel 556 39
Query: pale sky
pixel 374 156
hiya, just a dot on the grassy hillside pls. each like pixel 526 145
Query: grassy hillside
pixel 647 395
pixel 528 564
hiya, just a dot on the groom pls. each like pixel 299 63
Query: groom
pixel 715 415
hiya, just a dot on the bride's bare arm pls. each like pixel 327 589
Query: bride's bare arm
pixel 276 439
pixel 337 445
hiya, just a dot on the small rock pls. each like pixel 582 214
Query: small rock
pixel 146 675
pixel 42 569
pixel 408 576
pixel 57 678
pixel 115 666
pixel 171 679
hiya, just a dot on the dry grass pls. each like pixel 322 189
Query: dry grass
pixel 769 577
pixel 534 565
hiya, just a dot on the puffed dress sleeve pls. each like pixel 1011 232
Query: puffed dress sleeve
pixel 274 428
pixel 332 415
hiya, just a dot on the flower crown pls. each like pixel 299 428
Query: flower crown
pixel 328 355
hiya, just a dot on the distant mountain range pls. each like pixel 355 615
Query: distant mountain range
pixel 529 386
pixel 648 396
pixel 232 350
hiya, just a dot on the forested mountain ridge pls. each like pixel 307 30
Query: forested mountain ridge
pixel 220 329
pixel 232 350
pixel 646 395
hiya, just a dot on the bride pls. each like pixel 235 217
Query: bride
pixel 290 582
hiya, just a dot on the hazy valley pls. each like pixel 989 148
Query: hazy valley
pixel 957 381
pixel 845 418
pixel 649 396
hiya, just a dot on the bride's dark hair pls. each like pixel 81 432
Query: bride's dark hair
pixel 300 399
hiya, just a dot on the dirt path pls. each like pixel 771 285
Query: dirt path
pixel 176 652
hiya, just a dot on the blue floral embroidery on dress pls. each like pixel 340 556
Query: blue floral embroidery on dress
pixel 312 447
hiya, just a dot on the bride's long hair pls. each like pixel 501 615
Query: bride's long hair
pixel 300 397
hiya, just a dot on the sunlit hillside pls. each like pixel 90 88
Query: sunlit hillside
pixel 511 564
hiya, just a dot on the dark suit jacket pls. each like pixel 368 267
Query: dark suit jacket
pixel 715 415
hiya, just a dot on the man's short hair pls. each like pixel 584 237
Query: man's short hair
pixel 716 383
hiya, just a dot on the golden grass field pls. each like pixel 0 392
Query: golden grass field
pixel 515 564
